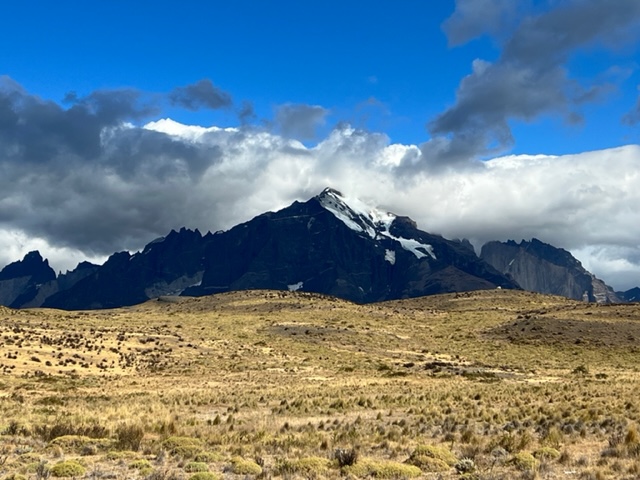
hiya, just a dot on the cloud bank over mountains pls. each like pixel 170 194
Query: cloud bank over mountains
pixel 105 171
pixel 81 182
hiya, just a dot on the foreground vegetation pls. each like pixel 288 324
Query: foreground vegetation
pixel 482 385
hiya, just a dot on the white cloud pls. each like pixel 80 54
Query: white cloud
pixel 14 245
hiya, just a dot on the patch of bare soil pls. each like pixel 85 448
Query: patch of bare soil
pixel 552 330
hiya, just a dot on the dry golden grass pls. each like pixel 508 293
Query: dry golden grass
pixel 486 385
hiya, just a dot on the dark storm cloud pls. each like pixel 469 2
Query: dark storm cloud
pixel 473 18
pixel 202 94
pixel 82 178
pixel 300 121
pixel 531 77
pixel 36 130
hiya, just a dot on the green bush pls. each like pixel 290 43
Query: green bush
pixel 139 464
pixel 124 454
pixel 68 468
pixel 240 466
pixel 205 476
pixel 368 467
pixel 524 461
pixel 193 467
pixel 308 467
pixel 185 447
pixel 431 458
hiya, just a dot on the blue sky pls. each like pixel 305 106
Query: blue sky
pixel 385 67
pixel 404 104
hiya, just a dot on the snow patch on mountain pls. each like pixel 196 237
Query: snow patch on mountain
pixel 294 287
pixel 420 250
pixel 390 256
pixel 363 218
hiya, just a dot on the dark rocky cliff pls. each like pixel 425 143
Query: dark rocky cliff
pixel 328 244
pixel 540 267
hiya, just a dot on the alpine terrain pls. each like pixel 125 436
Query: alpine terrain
pixel 330 244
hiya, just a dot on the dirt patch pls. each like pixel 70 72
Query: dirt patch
pixel 551 330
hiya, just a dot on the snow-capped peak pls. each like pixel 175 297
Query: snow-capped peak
pixel 356 214
pixel 364 218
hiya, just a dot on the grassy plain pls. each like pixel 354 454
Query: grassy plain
pixel 481 385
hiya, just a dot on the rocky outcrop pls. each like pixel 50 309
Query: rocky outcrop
pixel 539 267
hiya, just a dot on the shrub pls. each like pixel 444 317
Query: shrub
pixel 68 468
pixel 205 476
pixel 185 447
pixel 308 467
pixel 193 467
pixel 345 456
pixel 382 469
pixel 129 437
pixel 115 455
pixel 465 465
pixel 431 458
pixel 139 464
pixel 524 461
pixel 70 441
pixel 546 453
pixel 64 428
pixel 240 466
pixel 512 442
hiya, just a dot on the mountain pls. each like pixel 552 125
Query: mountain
pixel 340 246
pixel 63 282
pixel 330 244
pixel 632 295
pixel 539 267
pixel 30 281
pixel 20 281
pixel 166 266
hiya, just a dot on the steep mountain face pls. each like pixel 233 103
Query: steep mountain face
pixel 64 281
pixel 20 281
pixel 340 246
pixel 540 267
pixel 330 244
pixel 166 266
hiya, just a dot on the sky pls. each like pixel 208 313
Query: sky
pixel 480 119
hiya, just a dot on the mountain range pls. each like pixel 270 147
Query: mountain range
pixel 330 244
